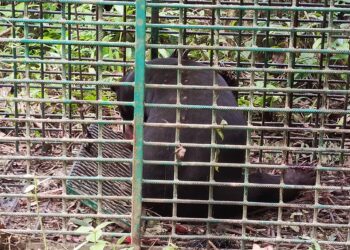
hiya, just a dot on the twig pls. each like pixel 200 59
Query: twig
pixel 212 245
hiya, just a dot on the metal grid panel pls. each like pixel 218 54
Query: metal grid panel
pixel 57 65
pixel 290 60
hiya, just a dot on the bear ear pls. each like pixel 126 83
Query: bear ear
pixel 184 54
pixel 108 7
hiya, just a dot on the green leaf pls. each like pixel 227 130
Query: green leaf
pixel 219 130
pixel 315 246
pixel 223 122
pixel 242 101
pixel 100 245
pixel 121 240
pixel 20 6
pixel 220 133
pixel 119 9
pixel 258 102
pixel 103 225
pixel 84 229
pixel 84 222
pixel 129 53
pixel 340 121
pixel 317 43
pixel 341 44
pixel 259 84
pixel 47 38
pixel 233 23
pixel 164 53
pixel 94 236
pixel 81 245
pixel 216 158
pixel 170 247
pixel 107 38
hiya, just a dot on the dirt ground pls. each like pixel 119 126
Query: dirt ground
pixel 20 205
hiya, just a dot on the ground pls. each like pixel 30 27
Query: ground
pixel 296 213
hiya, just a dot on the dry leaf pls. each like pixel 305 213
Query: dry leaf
pixel 180 152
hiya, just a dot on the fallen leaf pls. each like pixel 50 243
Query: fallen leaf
pixel 181 229
pixel 180 152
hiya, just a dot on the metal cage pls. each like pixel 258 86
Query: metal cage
pixel 70 176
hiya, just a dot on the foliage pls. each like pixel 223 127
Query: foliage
pixel 53 31
pixel 315 246
pixel 94 235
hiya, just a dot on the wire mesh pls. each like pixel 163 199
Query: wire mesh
pixel 287 62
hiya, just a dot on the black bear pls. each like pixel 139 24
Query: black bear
pixel 202 116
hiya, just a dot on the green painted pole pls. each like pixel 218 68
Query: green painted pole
pixel 140 46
